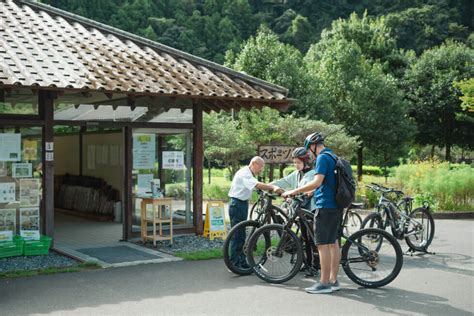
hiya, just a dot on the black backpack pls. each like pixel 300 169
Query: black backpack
pixel 345 183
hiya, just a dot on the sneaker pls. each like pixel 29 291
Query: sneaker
pixel 335 286
pixel 319 288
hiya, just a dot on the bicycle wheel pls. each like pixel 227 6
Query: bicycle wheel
pixel 373 220
pixel 352 223
pixel 275 254
pixel 232 263
pixel 372 257
pixel 420 230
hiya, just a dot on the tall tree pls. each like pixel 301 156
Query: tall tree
pixel 352 74
pixel 434 100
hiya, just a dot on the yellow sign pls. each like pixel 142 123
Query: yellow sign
pixel 214 225
pixel 30 150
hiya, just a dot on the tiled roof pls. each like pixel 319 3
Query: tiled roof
pixel 46 47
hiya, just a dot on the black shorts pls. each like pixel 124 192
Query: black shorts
pixel 327 225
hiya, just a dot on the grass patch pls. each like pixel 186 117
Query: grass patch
pixel 201 254
pixel 28 273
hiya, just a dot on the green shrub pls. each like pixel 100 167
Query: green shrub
pixel 216 192
pixel 177 191
pixel 448 187
pixel 370 170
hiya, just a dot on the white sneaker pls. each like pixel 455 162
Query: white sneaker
pixel 335 286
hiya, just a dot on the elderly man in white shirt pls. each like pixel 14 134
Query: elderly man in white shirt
pixel 240 192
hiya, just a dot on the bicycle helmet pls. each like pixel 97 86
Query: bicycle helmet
pixel 302 154
pixel 315 138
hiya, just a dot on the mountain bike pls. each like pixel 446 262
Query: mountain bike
pixel 416 226
pixel 370 257
pixel 262 212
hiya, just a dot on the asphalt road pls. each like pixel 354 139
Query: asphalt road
pixel 440 284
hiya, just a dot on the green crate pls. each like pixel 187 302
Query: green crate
pixel 37 247
pixel 12 248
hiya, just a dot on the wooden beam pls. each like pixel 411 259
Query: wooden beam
pixel 46 109
pixel 82 130
pixel 127 184
pixel 198 156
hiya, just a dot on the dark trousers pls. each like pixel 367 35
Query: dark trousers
pixel 238 212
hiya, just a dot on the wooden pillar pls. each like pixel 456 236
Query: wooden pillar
pixel 46 109
pixel 128 202
pixel 161 173
pixel 189 166
pixel 81 148
pixel 198 156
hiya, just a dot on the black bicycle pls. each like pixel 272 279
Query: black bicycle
pixel 262 212
pixel 370 257
pixel 416 226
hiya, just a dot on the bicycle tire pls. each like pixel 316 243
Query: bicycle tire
pixel 430 221
pixel 291 245
pixel 372 258
pixel 373 220
pixel 226 248
pixel 353 220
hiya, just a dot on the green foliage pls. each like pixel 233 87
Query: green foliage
pixel 435 101
pixel 369 170
pixel 448 188
pixel 206 254
pixel 351 74
pixel 216 191
pixel 467 90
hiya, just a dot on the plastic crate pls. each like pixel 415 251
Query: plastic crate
pixel 37 247
pixel 12 248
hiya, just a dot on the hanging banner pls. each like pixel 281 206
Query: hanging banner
pixel 29 223
pixel 144 151
pixel 30 150
pixel 10 147
pixel 173 160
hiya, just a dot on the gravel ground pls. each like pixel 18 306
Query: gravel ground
pixel 186 243
pixel 52 260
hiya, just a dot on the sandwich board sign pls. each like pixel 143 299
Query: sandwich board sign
pixel 214 226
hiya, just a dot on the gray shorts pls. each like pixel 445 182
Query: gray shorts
pixel 327 225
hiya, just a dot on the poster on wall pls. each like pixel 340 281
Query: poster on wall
pixel 7 192
pixel 10 147
pixel 29 223
pixel 143 183
pixel 3 169
pixel 7 224
pixel 144 151
pixel 30 151
pixel 173 160
pixel 30 192
pixel 22 170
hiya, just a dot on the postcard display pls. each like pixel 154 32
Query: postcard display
pixel 20 187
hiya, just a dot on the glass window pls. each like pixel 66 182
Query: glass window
pixel 19 102
pixel 20 181
pixel 164 158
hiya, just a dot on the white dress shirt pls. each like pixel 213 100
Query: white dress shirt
pixel 243 184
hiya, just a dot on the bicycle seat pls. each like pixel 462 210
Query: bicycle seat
pixel 357 205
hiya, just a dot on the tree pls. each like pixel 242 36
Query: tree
pixel 434 100
pixel 265 57
pixel 351 77
pixel 223 141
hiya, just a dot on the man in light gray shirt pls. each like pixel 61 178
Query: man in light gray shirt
pixel 240 192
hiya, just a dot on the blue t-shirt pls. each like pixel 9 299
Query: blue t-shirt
pixel 325 195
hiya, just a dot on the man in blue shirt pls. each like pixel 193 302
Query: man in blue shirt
pixel 327 217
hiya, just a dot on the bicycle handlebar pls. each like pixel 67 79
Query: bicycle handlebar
pixel 383 189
